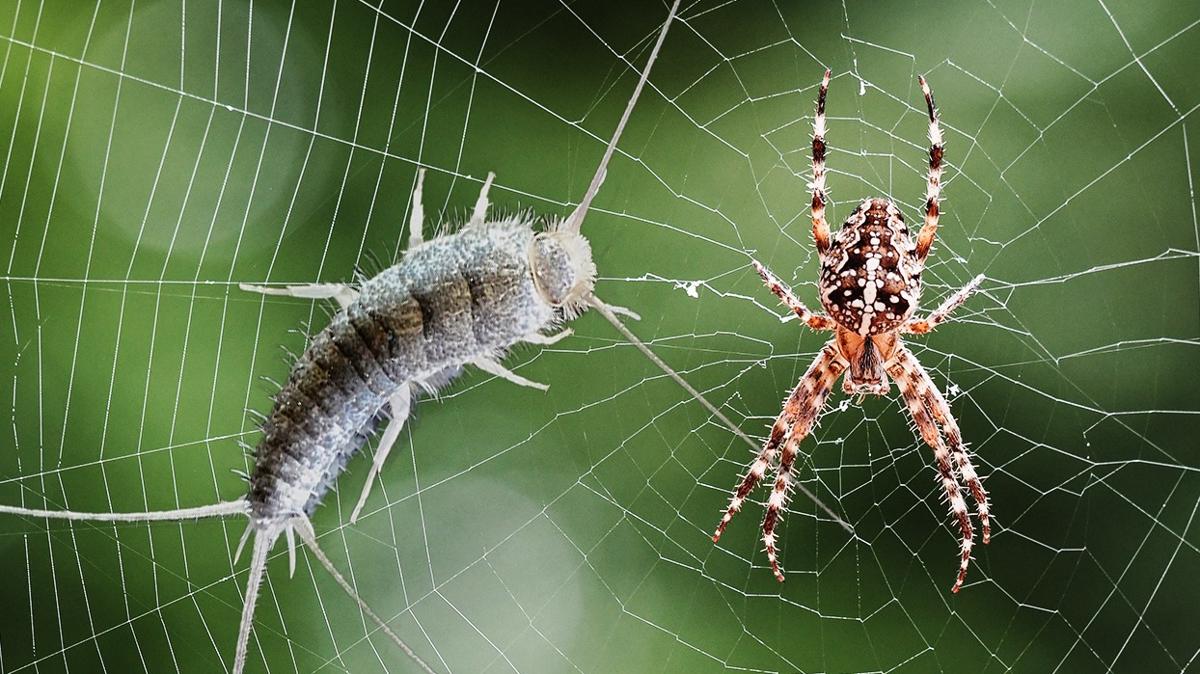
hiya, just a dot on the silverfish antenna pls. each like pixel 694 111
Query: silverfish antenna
pixel 574 223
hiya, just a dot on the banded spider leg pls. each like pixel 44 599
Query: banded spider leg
pixel 800 413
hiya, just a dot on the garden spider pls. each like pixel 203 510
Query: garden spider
pixel 869 285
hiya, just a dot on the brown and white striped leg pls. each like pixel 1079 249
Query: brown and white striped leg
pixel 820 226
pixel 909 388
pixel 936 403
pixel 817 382
pixel 798 405
pixel 756 472
pixel 791 407
pixel 924 325
pixel 934 182
pixel 814 321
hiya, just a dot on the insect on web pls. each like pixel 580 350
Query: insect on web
pixel 286 165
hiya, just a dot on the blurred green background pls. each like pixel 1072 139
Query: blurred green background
pixel 156 154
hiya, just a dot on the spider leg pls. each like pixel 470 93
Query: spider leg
pixel 765 458
pixel 936 403
pixel 818 382
pixel 934 181
pixel 814 321
pixel 800 411
pixel 481 204
pixel 820 226
pixel 344 294
pixel 908 382
pixel 939 315
pixel 416 221
pixel 793 407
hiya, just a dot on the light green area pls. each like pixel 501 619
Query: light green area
pixel 155 157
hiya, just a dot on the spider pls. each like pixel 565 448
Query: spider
pixel 869 285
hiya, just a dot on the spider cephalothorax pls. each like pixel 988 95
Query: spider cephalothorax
pixel 870 284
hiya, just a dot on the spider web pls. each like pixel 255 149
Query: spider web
pixel 157 154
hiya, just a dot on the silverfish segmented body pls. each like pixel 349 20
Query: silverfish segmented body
pixel 450 302
pixel 459 299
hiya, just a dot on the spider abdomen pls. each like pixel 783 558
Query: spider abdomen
pixel 870 281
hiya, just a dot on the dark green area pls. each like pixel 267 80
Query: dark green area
pixel 154 156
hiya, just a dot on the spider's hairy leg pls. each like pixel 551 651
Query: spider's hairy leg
pixel 814 321
pixel 798 404
pixel 933 186
pixel 820 225
pixel 908 383
pixel 939 315
pixel 813 389
pixel 800 411
pixel 765 458
pixel 936 403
